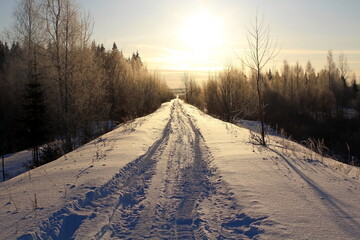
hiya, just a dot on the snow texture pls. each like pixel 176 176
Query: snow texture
pixel 181 174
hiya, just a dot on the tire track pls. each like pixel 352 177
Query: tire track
pixel 122 193
pixel 192 202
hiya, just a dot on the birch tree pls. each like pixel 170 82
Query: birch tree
pixel 261 49
pixel 68 35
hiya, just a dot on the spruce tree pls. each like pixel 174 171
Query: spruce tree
pixel 35 115
pixel 2 56
pixel 114 47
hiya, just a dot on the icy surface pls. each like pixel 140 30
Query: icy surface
pixel 181 174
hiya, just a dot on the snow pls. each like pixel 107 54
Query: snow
pixel 255 126
pixel 15 163
pixel 302 197
pixel 71 177
pixel 179 173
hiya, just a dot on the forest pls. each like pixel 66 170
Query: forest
pixel 309 106
pixel 59 89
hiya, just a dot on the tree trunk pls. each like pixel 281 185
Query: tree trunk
pixel 261 51
pixel 260 108
pixel 3 166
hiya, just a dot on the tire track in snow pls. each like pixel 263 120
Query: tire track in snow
pixel 218 214
pixel 186 198
pixel 171 192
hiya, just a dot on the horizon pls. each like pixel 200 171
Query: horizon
pixel 203 37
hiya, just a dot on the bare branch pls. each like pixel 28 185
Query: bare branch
pixel 261 50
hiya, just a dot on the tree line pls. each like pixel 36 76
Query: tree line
pixel 55 83
pixel 301 101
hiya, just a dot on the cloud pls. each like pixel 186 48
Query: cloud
pixel 317 52
pixel 156 48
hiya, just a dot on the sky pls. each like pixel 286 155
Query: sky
pixel 201 37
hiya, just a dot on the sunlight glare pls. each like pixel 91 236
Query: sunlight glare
pixel 202 32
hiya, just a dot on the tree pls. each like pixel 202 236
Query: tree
pixel 68 35
pixel 344 75
pixel 192 91
pixel 3 115
pixel 211 96
pixel 298 75
pixel 331 69
pixel 28 31
pixel 3 165
pixel 261 49
pixel 286 85
pixel 186 81
pixel 343 68
pixel 35 111
pixel 2 110
pixel 114 48
pixel 3 50
pixel 226 92
pixel 136 61
pixel 354 84
pixel 232 89
pixel 354 87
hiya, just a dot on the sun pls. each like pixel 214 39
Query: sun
pixel 202 32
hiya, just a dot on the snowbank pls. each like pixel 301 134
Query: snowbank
pixel 351 171
pixel 302 196
pixel 32 197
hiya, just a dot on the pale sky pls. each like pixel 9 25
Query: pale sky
pixel 202 36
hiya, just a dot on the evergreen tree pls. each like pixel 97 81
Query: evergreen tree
pixel 35 115
pixel 355 86
pixel 136 61
pixel 2 56
pixel 114 47
pixel 2 112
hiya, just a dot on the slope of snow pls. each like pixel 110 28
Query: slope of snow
pixel 180 174
pixel 30 198
pixel 302 197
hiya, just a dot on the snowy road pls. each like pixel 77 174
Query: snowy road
pixel 168 193
pixel 181 174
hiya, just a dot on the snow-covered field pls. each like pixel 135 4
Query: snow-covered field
pixel 181 174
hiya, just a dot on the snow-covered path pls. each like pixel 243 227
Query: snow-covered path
pixel 181 174
pixel 168 193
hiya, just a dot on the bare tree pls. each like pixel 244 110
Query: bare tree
pixel 226 90
pixel 232 86
pixel 186 81
pixel 192 91
pixel 343 68
pixel 68 35
pixel 331 69
pixel 261 49
pixel 28 26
